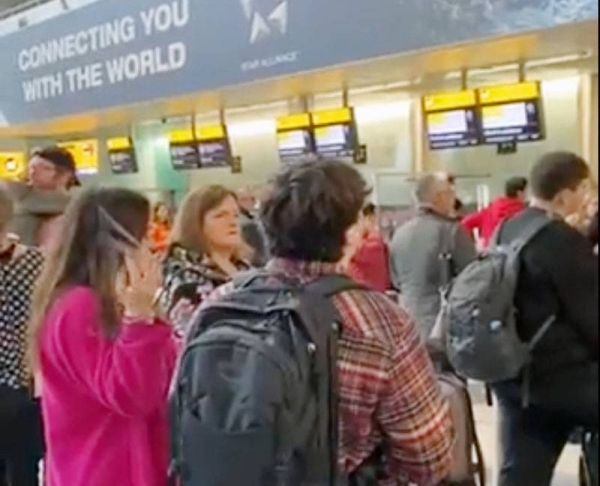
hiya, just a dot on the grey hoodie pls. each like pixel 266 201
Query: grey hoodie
pixel 418 266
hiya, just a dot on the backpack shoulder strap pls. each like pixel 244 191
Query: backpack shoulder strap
pixel 496 236
pixel 247 278
pixel 328 286
pixel 332 285
pixel 530 232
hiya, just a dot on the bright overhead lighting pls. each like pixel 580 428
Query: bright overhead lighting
pixel 564 86
pixel 385 87
pixel 276 105
pixel 252 128
pixel 161 142
pixel 547 61
pixel 494 70
pixel 453 75
pixel 382 112
pixel 370 89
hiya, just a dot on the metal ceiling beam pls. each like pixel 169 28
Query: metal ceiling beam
pixel 15 8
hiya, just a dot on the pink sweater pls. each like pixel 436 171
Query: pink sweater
pixel 104 402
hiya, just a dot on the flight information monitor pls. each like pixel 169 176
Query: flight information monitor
pixel 451 120
pixel 335 133
pixel 85 154
pixel 295 138
pixel 121 154
pixel 213 146
pixel 512 113
pixel 184 150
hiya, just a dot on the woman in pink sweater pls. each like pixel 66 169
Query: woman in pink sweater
pixel 104 358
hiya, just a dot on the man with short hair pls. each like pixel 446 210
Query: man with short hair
pixel 388 395
pixel 428 251
pixel 558 279
pixel 486 221
pixel 40 202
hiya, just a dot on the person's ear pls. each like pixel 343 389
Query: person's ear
pixel 65 179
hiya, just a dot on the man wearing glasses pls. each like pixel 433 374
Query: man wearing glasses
pixel 40 202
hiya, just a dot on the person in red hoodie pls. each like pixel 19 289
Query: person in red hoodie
pixel 487 220
pixel 370 263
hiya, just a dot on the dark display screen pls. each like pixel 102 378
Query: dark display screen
pixel 123 161
pixel 453 129
pixel 335 140
pixel 214 153
pixel 295 144
pixel 512 122
pixel 185 156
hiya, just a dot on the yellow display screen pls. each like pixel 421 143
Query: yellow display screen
pixel 12 165
pixel 293 122
pixel 118 143
pixel 211 132
pixel 509 93
pixel 333 117
pixel 85 154
pixel 181 136
pixel 449 101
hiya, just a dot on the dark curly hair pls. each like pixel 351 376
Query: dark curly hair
pixel 309 209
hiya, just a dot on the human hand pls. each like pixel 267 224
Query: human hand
pixel 143 284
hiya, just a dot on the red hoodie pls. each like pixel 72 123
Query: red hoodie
pixel 488 219
pixel 370 264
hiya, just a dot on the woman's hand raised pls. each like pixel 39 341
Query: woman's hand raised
pixel 143 286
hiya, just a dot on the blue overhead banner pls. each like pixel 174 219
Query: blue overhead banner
pixel 117 52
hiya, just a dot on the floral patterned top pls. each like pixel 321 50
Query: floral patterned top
pixel 188 279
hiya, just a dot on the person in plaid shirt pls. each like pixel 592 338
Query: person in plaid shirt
pixel 389 396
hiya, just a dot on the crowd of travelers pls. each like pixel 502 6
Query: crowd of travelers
pixel 139 344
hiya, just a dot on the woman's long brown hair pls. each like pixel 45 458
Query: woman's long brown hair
pixel 99 227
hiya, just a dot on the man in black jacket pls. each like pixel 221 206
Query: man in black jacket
pixel 559 276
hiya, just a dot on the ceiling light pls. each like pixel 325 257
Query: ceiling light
pixel 382 111
pixel 385 87
pixel 252 128
pixel 549 61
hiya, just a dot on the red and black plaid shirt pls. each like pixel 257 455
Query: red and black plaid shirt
pixel 388 388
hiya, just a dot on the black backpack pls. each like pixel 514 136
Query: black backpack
pixel 482 339
pixel 255 397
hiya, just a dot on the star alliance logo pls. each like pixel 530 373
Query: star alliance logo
pixel 263 25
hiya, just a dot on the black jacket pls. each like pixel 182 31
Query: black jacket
pixel 559 276
pixel 593 230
